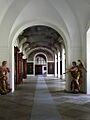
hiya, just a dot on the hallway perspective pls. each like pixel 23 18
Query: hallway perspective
pixel 44 107
pixel 44 98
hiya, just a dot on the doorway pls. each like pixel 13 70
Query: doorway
pixel 38 69
pixel 40 64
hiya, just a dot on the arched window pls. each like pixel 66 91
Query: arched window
pixel 40 59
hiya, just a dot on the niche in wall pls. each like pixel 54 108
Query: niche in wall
pixel 29 68
pixel 51 68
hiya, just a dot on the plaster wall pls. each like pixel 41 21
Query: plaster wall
pixel 61 15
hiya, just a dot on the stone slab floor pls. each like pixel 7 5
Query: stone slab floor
pixel 44 98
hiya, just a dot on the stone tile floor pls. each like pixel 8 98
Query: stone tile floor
pixel 70 106
pixel 18 105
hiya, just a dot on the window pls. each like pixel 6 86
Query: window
pixel 40 60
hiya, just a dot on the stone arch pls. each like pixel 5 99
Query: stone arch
pixel 13 36
pixel 45 57
pixel 42 54
pixel 41 48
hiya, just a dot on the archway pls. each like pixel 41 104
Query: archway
pixel 15 37
pixel 40 64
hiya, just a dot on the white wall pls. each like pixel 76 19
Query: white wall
pixel 88 62
pixel 58 14
pixel 4 5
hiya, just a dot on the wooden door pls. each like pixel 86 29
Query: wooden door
pixel 20 68
pixel 30 68
pixel 24 68
pixel 38 69
pixel 16 50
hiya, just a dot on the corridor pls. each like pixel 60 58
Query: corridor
pixel 44 107
pixel 44 98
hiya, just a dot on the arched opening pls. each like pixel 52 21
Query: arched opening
pixel 40 62
pixel 50 40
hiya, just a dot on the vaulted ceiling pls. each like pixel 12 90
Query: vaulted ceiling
pixel 71 18
pixel 41 37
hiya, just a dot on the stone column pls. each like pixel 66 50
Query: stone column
pixel 59 64
pixel 63 63
pixel 55 65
